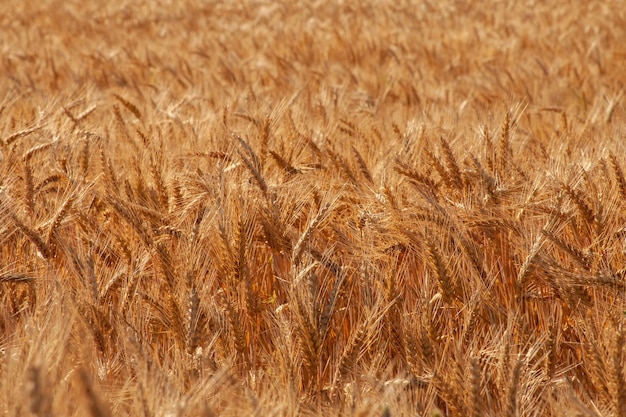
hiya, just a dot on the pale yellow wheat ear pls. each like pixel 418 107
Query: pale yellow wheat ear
pixel 20 134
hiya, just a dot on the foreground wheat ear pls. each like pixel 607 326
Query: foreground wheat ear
pixel 318 209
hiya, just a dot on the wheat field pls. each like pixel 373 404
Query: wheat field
pixel 277 208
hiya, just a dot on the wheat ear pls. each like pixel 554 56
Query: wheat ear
pixel 15 136
pixel 619 382
pixel 365 172
pixel 505 133
pixel 253 164
pixel 441 271
pixel 130 106
pixel 512 394
pixel 34 237
pixel 475 377
pixel 452 167
pixel 56 222
pixel 619 176
pixel 157 177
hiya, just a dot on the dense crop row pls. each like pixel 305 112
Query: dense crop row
pixel 266 208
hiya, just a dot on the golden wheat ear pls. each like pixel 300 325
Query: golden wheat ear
pixel 42 247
